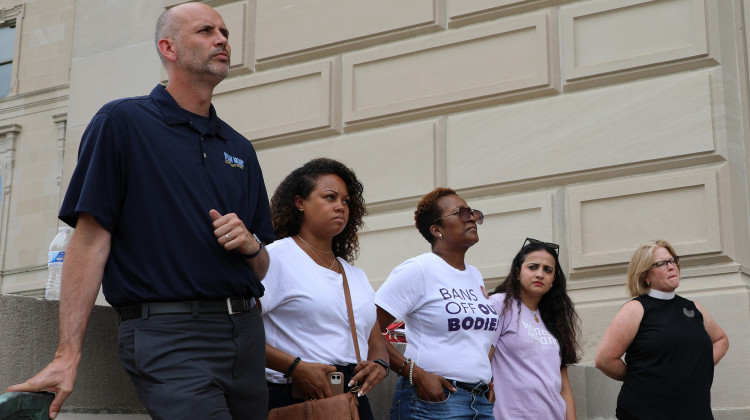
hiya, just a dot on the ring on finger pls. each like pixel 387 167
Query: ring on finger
pixel 227 236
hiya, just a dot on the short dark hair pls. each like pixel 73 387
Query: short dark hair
pixel 428 210
pixel 287 219
pixel 165 28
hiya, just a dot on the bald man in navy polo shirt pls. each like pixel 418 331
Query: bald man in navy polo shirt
pixel 171 216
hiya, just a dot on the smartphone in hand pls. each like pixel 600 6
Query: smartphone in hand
pixel 336 382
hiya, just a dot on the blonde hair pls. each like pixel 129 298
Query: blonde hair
pixel 643 259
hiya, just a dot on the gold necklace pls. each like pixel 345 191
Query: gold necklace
pixel 311 248
pixel 536 316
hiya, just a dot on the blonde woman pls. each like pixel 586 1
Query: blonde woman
pixel 671 344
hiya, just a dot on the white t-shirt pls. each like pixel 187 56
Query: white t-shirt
pixel 450 323
pixel 304 310
pixel 526 365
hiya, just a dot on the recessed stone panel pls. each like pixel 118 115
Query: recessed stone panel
pixel 280 102
pixel 102 26
pixel 580 131
pixel 441 70
pixel 286 28
pixel 603 36
pixel 609 220
pixel 406 168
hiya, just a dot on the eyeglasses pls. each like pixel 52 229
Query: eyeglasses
pixel 550 245
pixel 664 263
pixel 465 214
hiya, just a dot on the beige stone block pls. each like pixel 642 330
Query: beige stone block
pixel 388 240
pixel 407 147
pixel 54 33
pixel 508 221
pixel 72 144
pixel 293 30
pixel 24 281
pixel 465 12
pixel 106 25
pixel 609 220
pixel 280 103
pixel 46 20
pixel 604 36
pixel 118 73
pixel 473 64
pixel 653 119
pixel 67 14
pixel 460 8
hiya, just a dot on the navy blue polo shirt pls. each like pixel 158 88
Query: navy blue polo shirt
pixel 150 176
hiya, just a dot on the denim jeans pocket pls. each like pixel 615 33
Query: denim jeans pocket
pixel 445 401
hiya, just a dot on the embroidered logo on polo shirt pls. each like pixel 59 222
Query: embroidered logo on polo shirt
pixel 688 313
pixel 233 161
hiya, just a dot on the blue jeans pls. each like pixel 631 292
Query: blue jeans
pixel 459 405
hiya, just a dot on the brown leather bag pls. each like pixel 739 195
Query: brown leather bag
pixel 338 407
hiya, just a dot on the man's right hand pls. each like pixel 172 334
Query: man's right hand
pixel 59 377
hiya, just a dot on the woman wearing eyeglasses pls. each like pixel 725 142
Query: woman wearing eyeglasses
pixel 537 338
pixel 671 344
pixel 450 323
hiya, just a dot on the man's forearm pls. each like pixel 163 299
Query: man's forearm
pixel 81 279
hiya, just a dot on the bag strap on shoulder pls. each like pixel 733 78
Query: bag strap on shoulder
pixel 350 311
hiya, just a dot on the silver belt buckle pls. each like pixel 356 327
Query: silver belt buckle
pixel 229 307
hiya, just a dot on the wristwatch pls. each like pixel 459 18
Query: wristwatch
pixel 251 256
pixel 383 363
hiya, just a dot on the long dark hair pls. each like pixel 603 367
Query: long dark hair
pixel 556 308
pixel 287 219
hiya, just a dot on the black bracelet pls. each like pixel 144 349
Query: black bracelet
pixel 292 366
pixel 251 256
pixel 403 365
pixel 382 362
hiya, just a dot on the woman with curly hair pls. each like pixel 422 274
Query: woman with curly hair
pixel 316 212
pixel 537 338
pixel 450 323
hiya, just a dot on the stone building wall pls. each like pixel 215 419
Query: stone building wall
pixel 595 124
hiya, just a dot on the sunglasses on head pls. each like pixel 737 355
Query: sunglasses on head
pixel 465 214
pixel 549 245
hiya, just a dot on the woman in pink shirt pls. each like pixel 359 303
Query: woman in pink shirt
pixel 537 338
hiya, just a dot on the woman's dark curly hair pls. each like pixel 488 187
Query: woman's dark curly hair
pixel 428 210
pixel 556 308
pixel 287 219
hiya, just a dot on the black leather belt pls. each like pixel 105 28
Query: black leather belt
pixel 478 388
pixel 195 307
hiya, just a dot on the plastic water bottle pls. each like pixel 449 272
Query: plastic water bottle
pixel 55 262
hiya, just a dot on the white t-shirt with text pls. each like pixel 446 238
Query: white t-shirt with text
pixel 450 323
